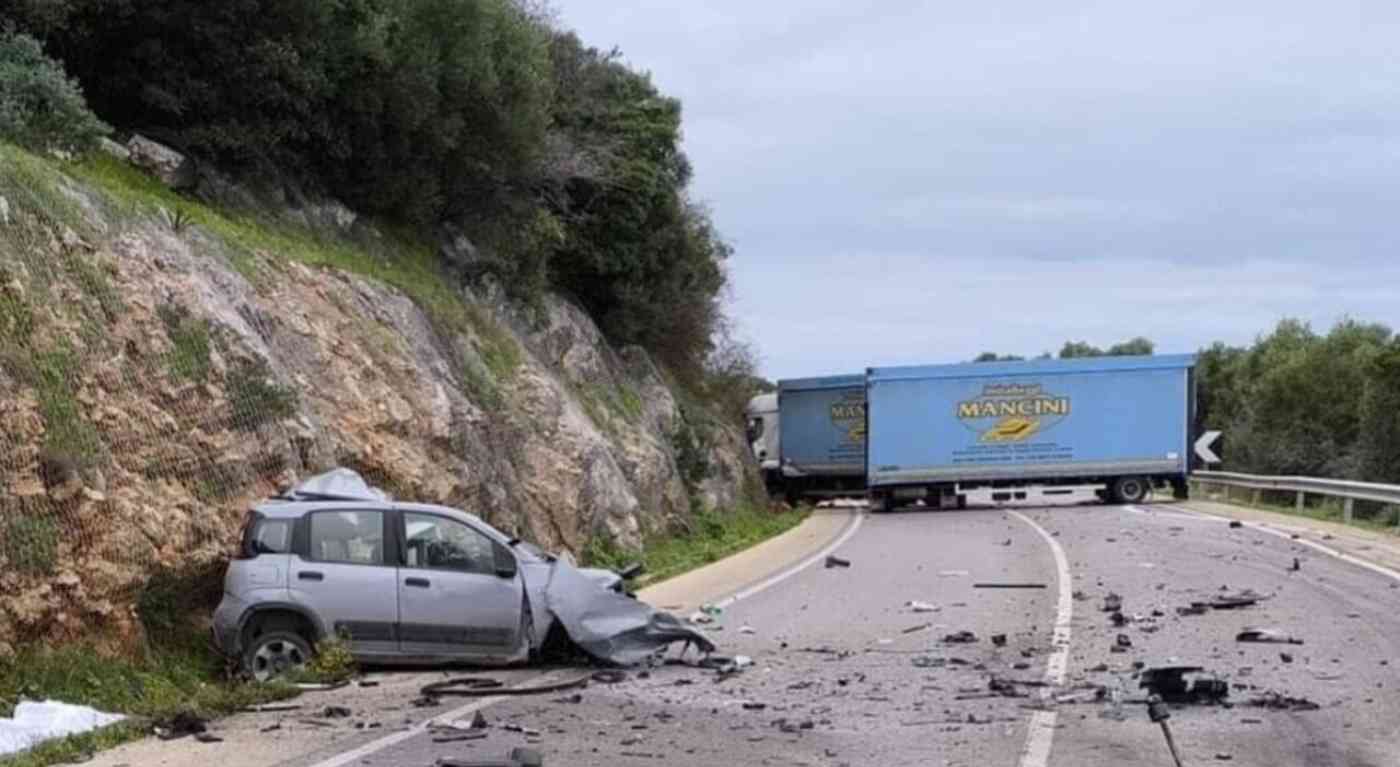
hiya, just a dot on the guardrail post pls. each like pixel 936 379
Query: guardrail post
pixel 1346 511
pixel 1301 501
pixel 1254 497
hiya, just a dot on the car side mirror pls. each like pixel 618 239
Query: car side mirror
pixel 505 561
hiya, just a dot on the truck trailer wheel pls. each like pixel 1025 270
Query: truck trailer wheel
pixel 1129 490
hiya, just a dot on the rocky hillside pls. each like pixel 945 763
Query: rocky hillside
pixel 163 365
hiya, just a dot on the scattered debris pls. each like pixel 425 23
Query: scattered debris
pixel 1235 523
pixel 368 683
pixel 747 630
pixel 1121 643
pixel 272 707
pixel 751 705
pixel 1297 565
pixel 1286 657
pixel 913 629
pixel 1266 635
pixel 518 757
pixel 1118 619
pixel 178 726
pixel 1008 585
pixel 275 726
pixel 481 686
pixel 999 640
pixel 207 737
pixel 924 661
pixel 951 573
pixel 459 737
pixel 1224 757
pixel 335 712
pixel 1079 596
pixel 1280 702
pixel 1170 683
pixel 960 637
pixel 834 561
pixel 1245 598
pixel 920 607
pixel 1112 603
pixel 520 728
pixel 1196 608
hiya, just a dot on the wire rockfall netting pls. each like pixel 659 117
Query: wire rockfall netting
pixel 134 429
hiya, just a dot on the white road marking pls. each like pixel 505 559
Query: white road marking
pixel 375 746
pixel 1328 550
pixel 1040 735
pixel 768 583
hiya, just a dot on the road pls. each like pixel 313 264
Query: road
pixel 846 674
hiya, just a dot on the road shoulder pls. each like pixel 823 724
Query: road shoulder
pixel 1373 546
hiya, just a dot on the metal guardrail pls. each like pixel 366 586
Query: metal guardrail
pixel 1347 490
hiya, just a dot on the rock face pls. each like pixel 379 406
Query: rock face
pixel 154 384
pixel 171 167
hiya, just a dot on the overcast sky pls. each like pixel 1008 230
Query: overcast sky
pixel 910 182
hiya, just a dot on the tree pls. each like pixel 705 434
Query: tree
pixel 40 106
pixel 1379 446
pixel 1076 349
pixel 1134 347
pixel 994 357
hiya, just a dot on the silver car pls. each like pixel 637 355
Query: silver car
pixel 402 582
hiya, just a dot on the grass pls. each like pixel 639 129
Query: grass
pixel 1370 516
pixel 714 535
pixel 189 339
pixel 30 543
pixel 149 690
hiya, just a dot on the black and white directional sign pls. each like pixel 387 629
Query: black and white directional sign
pixel 1203 444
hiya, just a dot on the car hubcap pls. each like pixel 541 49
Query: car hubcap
pixel 276 658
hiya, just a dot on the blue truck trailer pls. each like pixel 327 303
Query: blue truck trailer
pixel 1121 424
pixel 820 445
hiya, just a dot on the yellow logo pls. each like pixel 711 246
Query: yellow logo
pixel 1012 412
pixel 849 413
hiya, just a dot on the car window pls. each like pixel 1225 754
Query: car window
pixel 440 543
pixel 355 537
pixel 272 536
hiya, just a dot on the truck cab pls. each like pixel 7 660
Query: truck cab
pixel 763 433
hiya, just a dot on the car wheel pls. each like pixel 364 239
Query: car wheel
pixel 274 654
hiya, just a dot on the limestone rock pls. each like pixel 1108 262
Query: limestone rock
pixel 172 168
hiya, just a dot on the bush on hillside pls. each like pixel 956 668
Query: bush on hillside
pixel 40 106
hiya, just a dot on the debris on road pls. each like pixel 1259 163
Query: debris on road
pixel 960 637
pixel 1112 603
pixel 1196 608
pixel 1171 684
pixel 920 607
pixel 258 709
pixel 1244 598
pixel 1280 702
pixel 914 629
pixel 1008 585
pixel 1286 657
pixel 834 561
pixel 518 757
pixel 335 712
pixel 999 640
pixel 747 630
pixel 1235 523
pixel 1273 636
pixel 181 724
pixel 1121 643
pixel 1297 565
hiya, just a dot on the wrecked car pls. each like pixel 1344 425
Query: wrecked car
pixel 414 583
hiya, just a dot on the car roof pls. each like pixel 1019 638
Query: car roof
pixel 284 509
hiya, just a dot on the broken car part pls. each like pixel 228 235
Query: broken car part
pixel 1157 712
pixel 835 561
pixel 518 757
pixel 1171 684
pixel 1008 585
pixel 481 686
pixel 1273 636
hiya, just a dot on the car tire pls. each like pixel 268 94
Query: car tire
pixel 274 654
pixel 1129 490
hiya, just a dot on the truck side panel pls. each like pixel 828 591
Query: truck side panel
pixel 823 426
pixel 1028 426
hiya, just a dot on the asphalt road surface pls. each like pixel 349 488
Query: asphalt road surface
pixel 846 673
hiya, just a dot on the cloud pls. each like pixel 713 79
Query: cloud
pixel 925 181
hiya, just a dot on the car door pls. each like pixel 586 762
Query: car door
pixel 341 572
pixel 460 592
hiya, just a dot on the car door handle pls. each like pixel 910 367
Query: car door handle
pixel 421 583
pixel 310 575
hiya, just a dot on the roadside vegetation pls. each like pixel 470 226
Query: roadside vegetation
pixel 1371 516
pixel 711 537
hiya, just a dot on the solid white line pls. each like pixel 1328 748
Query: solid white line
pixel 1328 550
pixel 1040 734
pixel 374 746
pixel 768 583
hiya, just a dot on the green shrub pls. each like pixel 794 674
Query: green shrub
pixel 189 339
pixel 40 106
